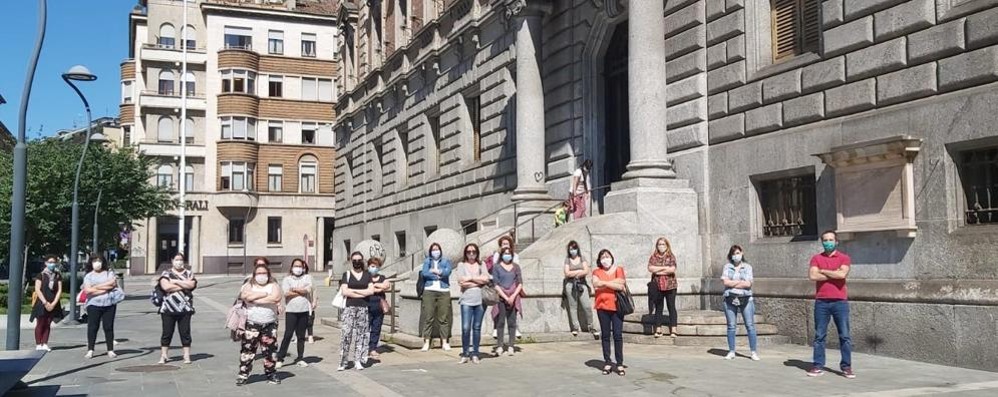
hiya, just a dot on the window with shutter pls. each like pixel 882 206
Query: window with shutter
pixel 795 26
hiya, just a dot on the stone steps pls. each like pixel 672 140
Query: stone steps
pixel 699 328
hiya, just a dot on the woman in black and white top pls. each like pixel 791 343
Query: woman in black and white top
pixel 300 301
pixel 178 285
pixel 357 287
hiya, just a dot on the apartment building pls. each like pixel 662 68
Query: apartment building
pixel 259 110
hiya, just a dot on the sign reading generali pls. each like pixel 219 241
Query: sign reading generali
pixel 196 205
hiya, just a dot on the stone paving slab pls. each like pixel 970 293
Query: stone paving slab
pixel 540 369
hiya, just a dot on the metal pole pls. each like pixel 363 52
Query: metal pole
pixel 18 201
pixel 183 140
pixel 74 242
pixel 100 191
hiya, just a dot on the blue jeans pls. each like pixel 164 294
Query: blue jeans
pixel 837 310
pixel 375 319
pixel 471 328
pixel 747 308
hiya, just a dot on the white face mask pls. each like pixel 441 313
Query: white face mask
pixel 661 249
pixel 177 264
pixel 98 266
pixel 297 271
pixel 606 262
pixel 261 279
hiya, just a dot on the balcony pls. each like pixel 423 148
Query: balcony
pixel 152 147
pixel 171 100
pixel 160 53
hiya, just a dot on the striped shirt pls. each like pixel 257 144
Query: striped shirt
pixel 179 301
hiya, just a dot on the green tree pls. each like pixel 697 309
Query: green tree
pixel 122 177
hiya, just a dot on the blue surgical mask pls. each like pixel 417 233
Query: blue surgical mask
pixel 573 252
pixel 507 258
pixel 829 246
pixel 50 266
pixel 435 254
pixel 372 270
pixel 736 258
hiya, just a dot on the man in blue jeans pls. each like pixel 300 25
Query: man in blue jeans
pixel 829 270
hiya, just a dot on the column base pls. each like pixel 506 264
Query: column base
pixel 528 195
pixel 659 169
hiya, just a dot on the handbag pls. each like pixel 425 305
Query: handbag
pixel 117 295
pixel 625 303
pixel 339 301
pixel 490 296
pixel 235 320
pixel 420 285
pixel 385 306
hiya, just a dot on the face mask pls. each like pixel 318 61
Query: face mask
pixel 372 270
pixel 435 254
pixel 736 258
pixel 606 262
pixel 471 255
pixel 261 279
pixel 829 246
pixel 98 266
pixel 573 252
pixel 358 264
pixel 50 266
pixel 178 264
pixel 507 258
pixel 297 271
pixel 661 249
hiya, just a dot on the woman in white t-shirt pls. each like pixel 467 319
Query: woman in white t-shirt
pixel 261 294
pixel 581 190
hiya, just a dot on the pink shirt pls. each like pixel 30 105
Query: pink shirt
pixel 834 289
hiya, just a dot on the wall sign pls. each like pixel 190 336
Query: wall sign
pixel 196 205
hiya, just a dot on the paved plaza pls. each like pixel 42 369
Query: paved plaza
pixel 555 369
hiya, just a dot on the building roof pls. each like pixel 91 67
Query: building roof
pixel 311 7
pixel 7 140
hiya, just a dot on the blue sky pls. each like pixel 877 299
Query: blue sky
pixel 88 32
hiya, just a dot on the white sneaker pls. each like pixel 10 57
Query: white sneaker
pixel 518 334
pixel 341 367
pixel 464 360
pixel 511 352
pixel 426 346
pixel 495 334
pixel 279 364
pixel 730 356
pixel 39 347
pixel 499 352
pixel 358 365
pixel 755 356
pixel 302 363
pixel 111 354
pixel 90 354
pixel 446 346
pixel 46 347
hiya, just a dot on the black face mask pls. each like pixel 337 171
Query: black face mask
pixel 358 264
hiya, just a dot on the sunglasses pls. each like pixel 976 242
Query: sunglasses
pixel 470 252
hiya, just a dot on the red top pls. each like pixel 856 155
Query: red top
pixel 606 298
pixel 834 289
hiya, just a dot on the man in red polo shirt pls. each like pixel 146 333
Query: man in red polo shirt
pixel 829 270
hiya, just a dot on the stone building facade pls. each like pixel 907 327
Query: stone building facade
pixel 259 142
pixel 712 122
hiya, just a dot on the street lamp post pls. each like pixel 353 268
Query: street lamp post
pixel 77 73
pixel 18 196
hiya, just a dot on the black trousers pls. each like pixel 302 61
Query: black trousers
pixel 669 299
pixel 97 317
pixel 171 322
pixel 611 322
pixel 295 324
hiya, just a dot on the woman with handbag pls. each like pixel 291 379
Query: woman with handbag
pixel 737 279
pixel 47 306
pixel 577 289
pixel 261 294
pixel 378 307
pixel 103 296
pixel 435 307
pixel 472 276
pixel 177 285
pixel 299 303
pixel 662 266
pixel 612 304
pixel 357 287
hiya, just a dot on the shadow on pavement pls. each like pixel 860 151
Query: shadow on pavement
pixel 123 355
pixel 313 360
pixel 801 365
pixel 70 347
pixel 722 353
pixel 201 356
pixel 39 391
pixel 283 376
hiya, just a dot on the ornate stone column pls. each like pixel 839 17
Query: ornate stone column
pixel 646 91
pixel 526 18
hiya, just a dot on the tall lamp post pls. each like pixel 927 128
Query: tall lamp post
pixel 18 198
pixel 77 73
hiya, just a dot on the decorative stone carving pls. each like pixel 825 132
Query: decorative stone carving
pixel 612 8
pixel 514 7
pixel 874 186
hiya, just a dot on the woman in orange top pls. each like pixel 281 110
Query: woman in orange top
pixel 607 280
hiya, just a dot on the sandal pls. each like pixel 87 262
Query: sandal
pixel 621 371
pixel 658 332
pixel 606 369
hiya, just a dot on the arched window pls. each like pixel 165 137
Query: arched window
pixel 189 130
pixel 308 171
pixel 189 178
pixel 166 82
pixel 190 82
pixel 165 133
pixel 164 176
pixel 190 37
pixel 167 36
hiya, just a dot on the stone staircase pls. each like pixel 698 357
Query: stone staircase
pixel 698 328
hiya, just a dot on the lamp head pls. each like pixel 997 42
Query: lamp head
pixel 98 138
pixel 79 73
